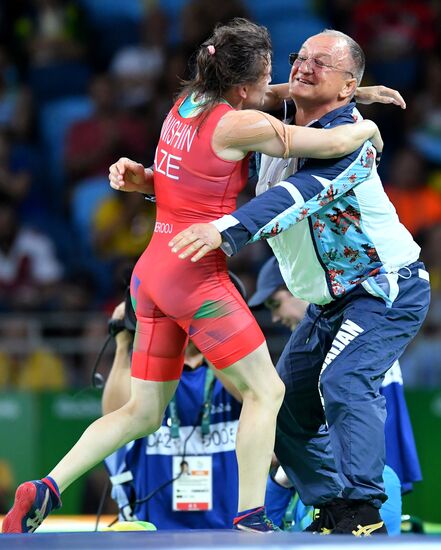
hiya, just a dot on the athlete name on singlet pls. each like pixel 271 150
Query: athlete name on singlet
pixel 179 136
pixel 161 227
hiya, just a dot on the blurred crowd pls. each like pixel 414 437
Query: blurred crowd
pixel 83 82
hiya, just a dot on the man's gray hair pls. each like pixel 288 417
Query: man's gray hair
pixel 357 54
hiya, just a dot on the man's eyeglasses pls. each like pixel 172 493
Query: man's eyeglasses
pixel 297 60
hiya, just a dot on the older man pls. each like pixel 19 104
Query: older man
pixel 402 465
pixel 340 247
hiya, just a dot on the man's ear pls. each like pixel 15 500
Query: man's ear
pixel 348 89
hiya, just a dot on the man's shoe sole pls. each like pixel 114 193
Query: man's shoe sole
pixel 368 530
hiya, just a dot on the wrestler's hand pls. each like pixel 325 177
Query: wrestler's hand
pixel 377 142
pixel 199 238
pixel 128 175
pixel 379 94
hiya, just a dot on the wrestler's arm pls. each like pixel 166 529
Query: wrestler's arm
pixel 239 132
pixel 128 175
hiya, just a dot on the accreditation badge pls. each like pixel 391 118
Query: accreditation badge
pixel 193 490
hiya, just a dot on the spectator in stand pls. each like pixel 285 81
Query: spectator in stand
pixel 93 144
pixel 26 361
pixel 47 31
pixel 122 226
pixel 15 172
pixel 29 270
pixel 425 114
pixel 421 364
pixel 418 205
pixel 137 67
pixel 395 36
pixel 16 110
pixel 200 17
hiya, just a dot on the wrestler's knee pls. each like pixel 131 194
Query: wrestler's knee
pixel 144 419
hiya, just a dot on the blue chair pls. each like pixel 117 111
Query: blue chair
pixel 86 199
pixel 50 82
pixel 288 36
pixel 173 10
pixel 56 117
pixel 265 12
pixel 98 11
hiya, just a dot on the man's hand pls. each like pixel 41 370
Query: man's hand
pixel 123 338
pixel 199 238
pixel 128 175
pixel 379 94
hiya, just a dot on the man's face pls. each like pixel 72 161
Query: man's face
pixel 256 91
pixel 285 308
pixel 321 76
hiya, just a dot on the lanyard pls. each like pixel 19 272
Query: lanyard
pixel 205 411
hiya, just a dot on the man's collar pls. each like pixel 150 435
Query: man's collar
pixel 332 115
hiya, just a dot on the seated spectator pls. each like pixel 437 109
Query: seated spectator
pixel 395 37
pixel 7 484
pixel 93 144
pixel 421 362
pixel 29 269
pixel 16 109
pixel 15 171
pixel 418 205
pixel 49 31
pixel 425 113
pixel 122 226
pixel 200 17
pixel 26 361
pixel 137 68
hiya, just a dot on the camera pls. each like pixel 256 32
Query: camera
pixel 128 322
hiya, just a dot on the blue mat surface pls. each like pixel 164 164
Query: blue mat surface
pixel 219 540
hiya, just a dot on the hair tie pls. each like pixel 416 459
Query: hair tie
pixel 211 49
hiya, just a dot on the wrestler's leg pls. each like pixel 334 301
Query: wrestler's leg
pixel 262 393
pixel 157 361
pixel 142 415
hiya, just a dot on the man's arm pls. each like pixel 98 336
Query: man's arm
pixel 117 389
pixel 277 209
pixel 379 94
pixel 366 95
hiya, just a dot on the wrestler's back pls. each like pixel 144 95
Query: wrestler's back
pixel 192 184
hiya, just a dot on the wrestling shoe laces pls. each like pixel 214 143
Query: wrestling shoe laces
pixel 34 500
pixel 362 520
pixel 256 521
pixel 327 516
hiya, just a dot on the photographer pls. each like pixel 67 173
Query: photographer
pixel 197 436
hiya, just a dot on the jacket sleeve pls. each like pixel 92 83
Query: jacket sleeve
pixel 315 185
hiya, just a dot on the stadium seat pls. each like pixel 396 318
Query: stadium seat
pixel 173 10
pixel 98 11
pixel 265 12
pixel 288 36
pixel 56 117
pixel 50 82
